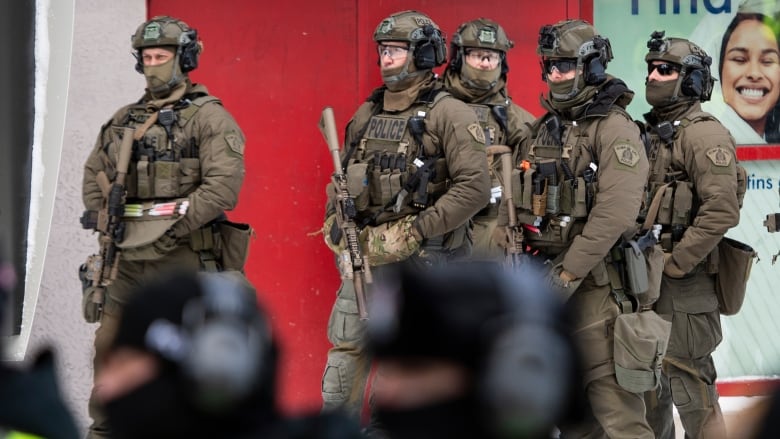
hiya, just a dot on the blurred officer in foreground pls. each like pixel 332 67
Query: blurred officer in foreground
pixel 694 151
pixel 414 158
pixel 477 75
pixel 194 357
pixel 30 398
pixel 470 351
pixel 577 189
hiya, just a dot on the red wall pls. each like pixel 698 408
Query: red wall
pixel 275 65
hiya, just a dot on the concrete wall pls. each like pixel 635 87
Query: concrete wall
pixel 102 78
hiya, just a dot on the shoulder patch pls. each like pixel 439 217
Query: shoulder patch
pixel 719 156
pixel 477 132
pixel 235 142
pixel 627 154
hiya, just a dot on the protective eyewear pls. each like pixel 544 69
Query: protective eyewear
pixel 563 66
pixel 663 69
pixel 394 52
pixel 479 55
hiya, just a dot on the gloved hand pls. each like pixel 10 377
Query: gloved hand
pixel 670 267
pixel 563 282
pixel 391 242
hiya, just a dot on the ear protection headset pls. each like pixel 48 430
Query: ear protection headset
pixel 698 81
pixel 431 50
pixel 222 345
pixel 595 71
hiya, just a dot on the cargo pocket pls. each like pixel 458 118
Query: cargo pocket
pixel 696 326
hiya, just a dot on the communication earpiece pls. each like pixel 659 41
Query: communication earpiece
pixel 432 51
pixel 693 84
pixel 595 71
pixel 189 50
pixel 222 344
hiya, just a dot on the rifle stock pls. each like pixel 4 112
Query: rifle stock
pixel 352 262
pixel 515 248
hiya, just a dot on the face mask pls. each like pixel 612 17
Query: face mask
pixel 401 78
pixel 161 79
pixel 479 79
pixel 563 88
pixel 660 93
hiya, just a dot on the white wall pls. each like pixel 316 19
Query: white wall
pixel 102 79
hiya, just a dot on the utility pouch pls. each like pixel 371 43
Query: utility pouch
pixel 641 340
pixel 665 209
pixel 683 203
pixel 92 302
pixel 654 259
pixel 539 200
pixel 375 186
pixel 636 270
pixel 166 179
pixel 357 184
pixel 528 178
pixel 553 199
pixel 735 261
pixel 580 203
pixel 145 178
pixel 234 244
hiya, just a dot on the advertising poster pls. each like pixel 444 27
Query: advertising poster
pixel 745 100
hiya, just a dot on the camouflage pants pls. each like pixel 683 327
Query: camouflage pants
pixel 485 247
pixel 131 275
pixel 348 365
pixel 617 412
pixel 688 371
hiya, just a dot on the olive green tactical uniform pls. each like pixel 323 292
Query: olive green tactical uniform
pixel 596 164
pixel 383 147
pixel 504 122
pixel 701 204
pixel 198 169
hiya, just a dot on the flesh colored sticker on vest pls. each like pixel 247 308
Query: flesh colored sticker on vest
pixel 719 156
pixel 627 154
pixel 386 128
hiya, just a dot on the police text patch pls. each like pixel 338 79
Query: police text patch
pixel 627 154
pixel 386 128
pixel 477 133
pixel 719 156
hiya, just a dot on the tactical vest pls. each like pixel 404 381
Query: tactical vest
pixel 396 170
pixel 165 162
pixel 679 202
pixel 554 189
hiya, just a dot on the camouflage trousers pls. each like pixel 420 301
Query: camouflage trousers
pixel 689 374
pixel 348 365
pixel 131 275
pixel 617 412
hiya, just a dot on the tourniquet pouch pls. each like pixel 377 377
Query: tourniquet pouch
pixel 644 270
pixel 145 240
pixel 235 239
pixel 641 340
pixel 735 260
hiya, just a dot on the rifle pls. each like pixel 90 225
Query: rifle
pixel 101 269
pixel 515 249
pixel 353 263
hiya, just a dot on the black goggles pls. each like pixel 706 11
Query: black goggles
pixel 663 69
pixel 561 65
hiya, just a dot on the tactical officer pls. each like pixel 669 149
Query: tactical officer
pixel 421 154
pixel 472 351
pixel 477 74
pixel 194 357
pixel 185 168
pixel 579 181
pixel 693 171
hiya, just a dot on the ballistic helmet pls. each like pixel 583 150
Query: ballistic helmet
pixel 164 31
pixel 579 41
pixel 481 33
pixel 426 41
pixel 695 79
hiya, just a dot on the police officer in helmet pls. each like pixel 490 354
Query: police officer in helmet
pixel 477 75
pixel 693 149
pixel 185 169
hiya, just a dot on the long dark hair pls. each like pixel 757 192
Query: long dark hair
pixel 772 128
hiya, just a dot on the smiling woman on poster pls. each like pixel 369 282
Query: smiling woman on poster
pixel 750 78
